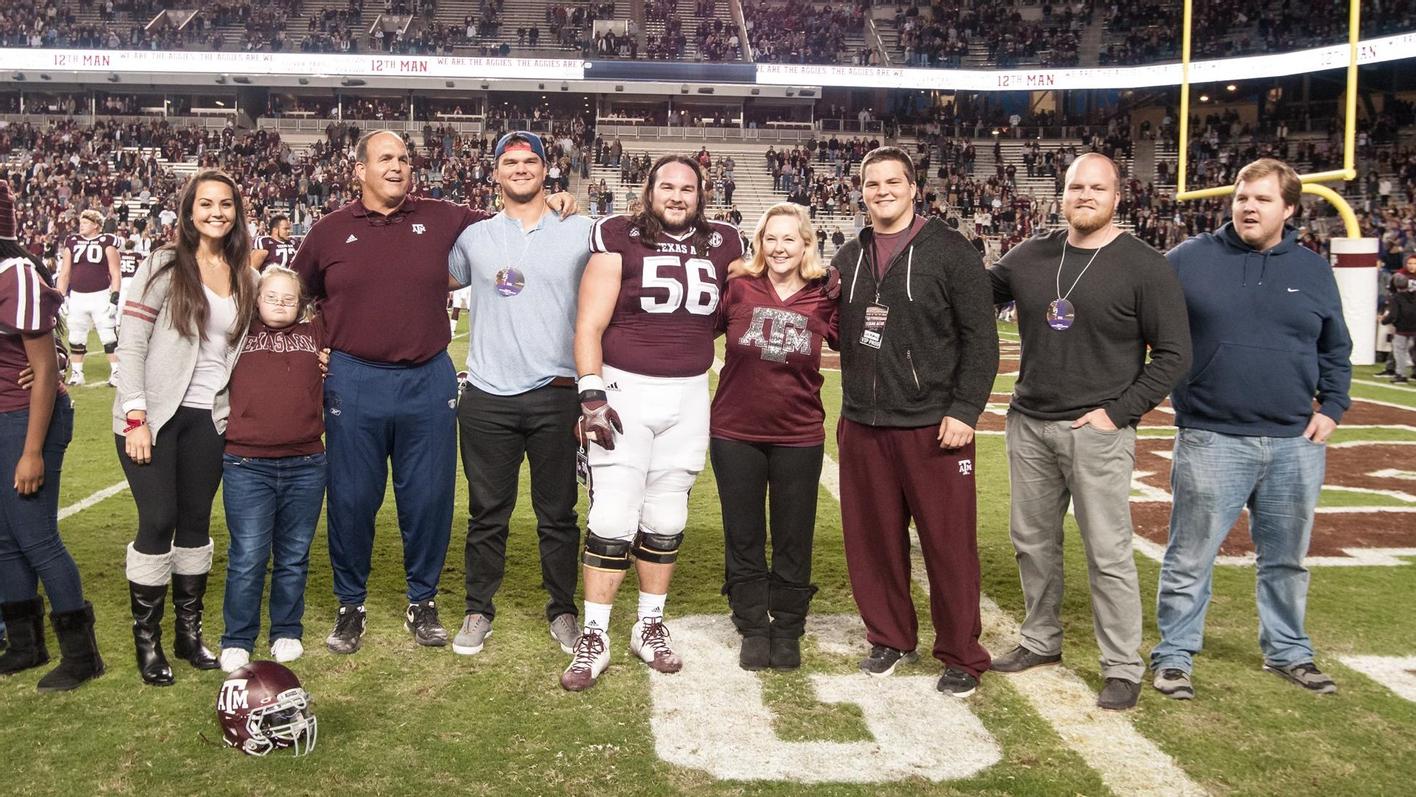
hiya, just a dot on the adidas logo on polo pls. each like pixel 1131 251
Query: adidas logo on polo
pixel 351 239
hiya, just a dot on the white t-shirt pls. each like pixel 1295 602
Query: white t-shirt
pixel 210 375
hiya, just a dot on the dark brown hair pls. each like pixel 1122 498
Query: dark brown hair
pixel 188 301
pixel 889 154
pixel 649 225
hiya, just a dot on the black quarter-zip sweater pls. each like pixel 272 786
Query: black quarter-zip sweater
pixel 939 348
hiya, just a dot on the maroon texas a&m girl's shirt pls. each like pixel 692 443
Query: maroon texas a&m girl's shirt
pixel 770 387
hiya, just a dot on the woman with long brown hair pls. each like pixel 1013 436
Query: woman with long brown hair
pixel 183 324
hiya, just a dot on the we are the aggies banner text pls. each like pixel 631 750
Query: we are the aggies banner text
pixel 361 65
pixel 1390 48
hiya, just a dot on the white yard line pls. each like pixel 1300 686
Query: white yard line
pixel 1127 761
pixel 107 492
pixel 1397 673
pixel 1408 387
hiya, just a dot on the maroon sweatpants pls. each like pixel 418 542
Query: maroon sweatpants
pixel 888 477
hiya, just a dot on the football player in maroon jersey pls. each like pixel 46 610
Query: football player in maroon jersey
pixel 643 345
pixel 88 277
pixel 276 249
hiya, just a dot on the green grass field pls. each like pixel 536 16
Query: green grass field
pixel 399 719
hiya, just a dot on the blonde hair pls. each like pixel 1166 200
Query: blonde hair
pixel 304 312
pixel 93 216
pixel 1289 186
pixel 811 266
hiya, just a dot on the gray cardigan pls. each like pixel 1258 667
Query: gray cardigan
pixel 155 360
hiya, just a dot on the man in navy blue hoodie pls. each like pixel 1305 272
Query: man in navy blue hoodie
pixel 1269 340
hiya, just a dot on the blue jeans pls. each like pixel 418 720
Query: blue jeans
pixel 1213 477
pixel 30 547
pixel 272 506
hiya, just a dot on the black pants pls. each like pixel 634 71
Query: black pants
pixel 174 491
pixel 748 475
pixel 497 432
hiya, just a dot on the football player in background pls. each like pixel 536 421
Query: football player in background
pixel 88 277
pixel 643 345
pixel 128 261
pixel 276 249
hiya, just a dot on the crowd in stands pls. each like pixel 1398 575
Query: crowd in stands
pixel 799 32
pixel 1147 30
pixel 59 169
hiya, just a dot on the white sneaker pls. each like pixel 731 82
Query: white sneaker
pixel 76 378
pixel 113 379
pixel 651 642
pixel 591 657
pixel 286 649
pixel 233 659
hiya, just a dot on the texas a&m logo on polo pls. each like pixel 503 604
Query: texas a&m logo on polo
pixel 419 229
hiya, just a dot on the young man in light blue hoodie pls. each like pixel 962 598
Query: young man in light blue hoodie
pixel 1269 339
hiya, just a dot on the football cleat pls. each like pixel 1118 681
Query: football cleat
pixel 650 641
pixel 76 378
pixel 591 657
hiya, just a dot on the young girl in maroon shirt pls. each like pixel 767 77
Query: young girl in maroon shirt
pixel 273 470
pixel 766 433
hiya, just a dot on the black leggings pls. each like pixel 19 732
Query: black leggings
pixel 745 472
pixel 174 491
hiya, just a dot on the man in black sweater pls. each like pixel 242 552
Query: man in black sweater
pixel 919 350
pixel 1092 300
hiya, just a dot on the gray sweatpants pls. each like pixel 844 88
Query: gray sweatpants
pixel 1051 464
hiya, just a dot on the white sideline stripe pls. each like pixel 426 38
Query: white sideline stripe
pixel 107 492
pixel 1375 383
pixel 1397 673
pixel 1127 761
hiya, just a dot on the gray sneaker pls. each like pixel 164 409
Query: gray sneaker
pixel 1020 658
pixel 473 635
pixel 1306 675
pixel 1174 684
pixel 565 629
pixel 1118 695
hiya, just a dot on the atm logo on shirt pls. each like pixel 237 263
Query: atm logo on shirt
pixel 785 334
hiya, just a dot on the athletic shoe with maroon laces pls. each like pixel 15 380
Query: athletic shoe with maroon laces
pixel 590 656
pixel 651 642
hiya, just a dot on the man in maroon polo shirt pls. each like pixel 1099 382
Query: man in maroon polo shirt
pixel 378 269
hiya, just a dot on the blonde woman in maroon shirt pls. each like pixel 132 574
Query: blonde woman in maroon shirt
pixel 767 436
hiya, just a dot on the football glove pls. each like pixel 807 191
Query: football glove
pixel 599 421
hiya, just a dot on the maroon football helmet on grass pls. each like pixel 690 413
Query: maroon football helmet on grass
pixel 262 707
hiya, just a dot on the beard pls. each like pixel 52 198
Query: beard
pixel 1085 220
pixel 674 227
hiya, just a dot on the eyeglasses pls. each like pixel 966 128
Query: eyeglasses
pixel 272 299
